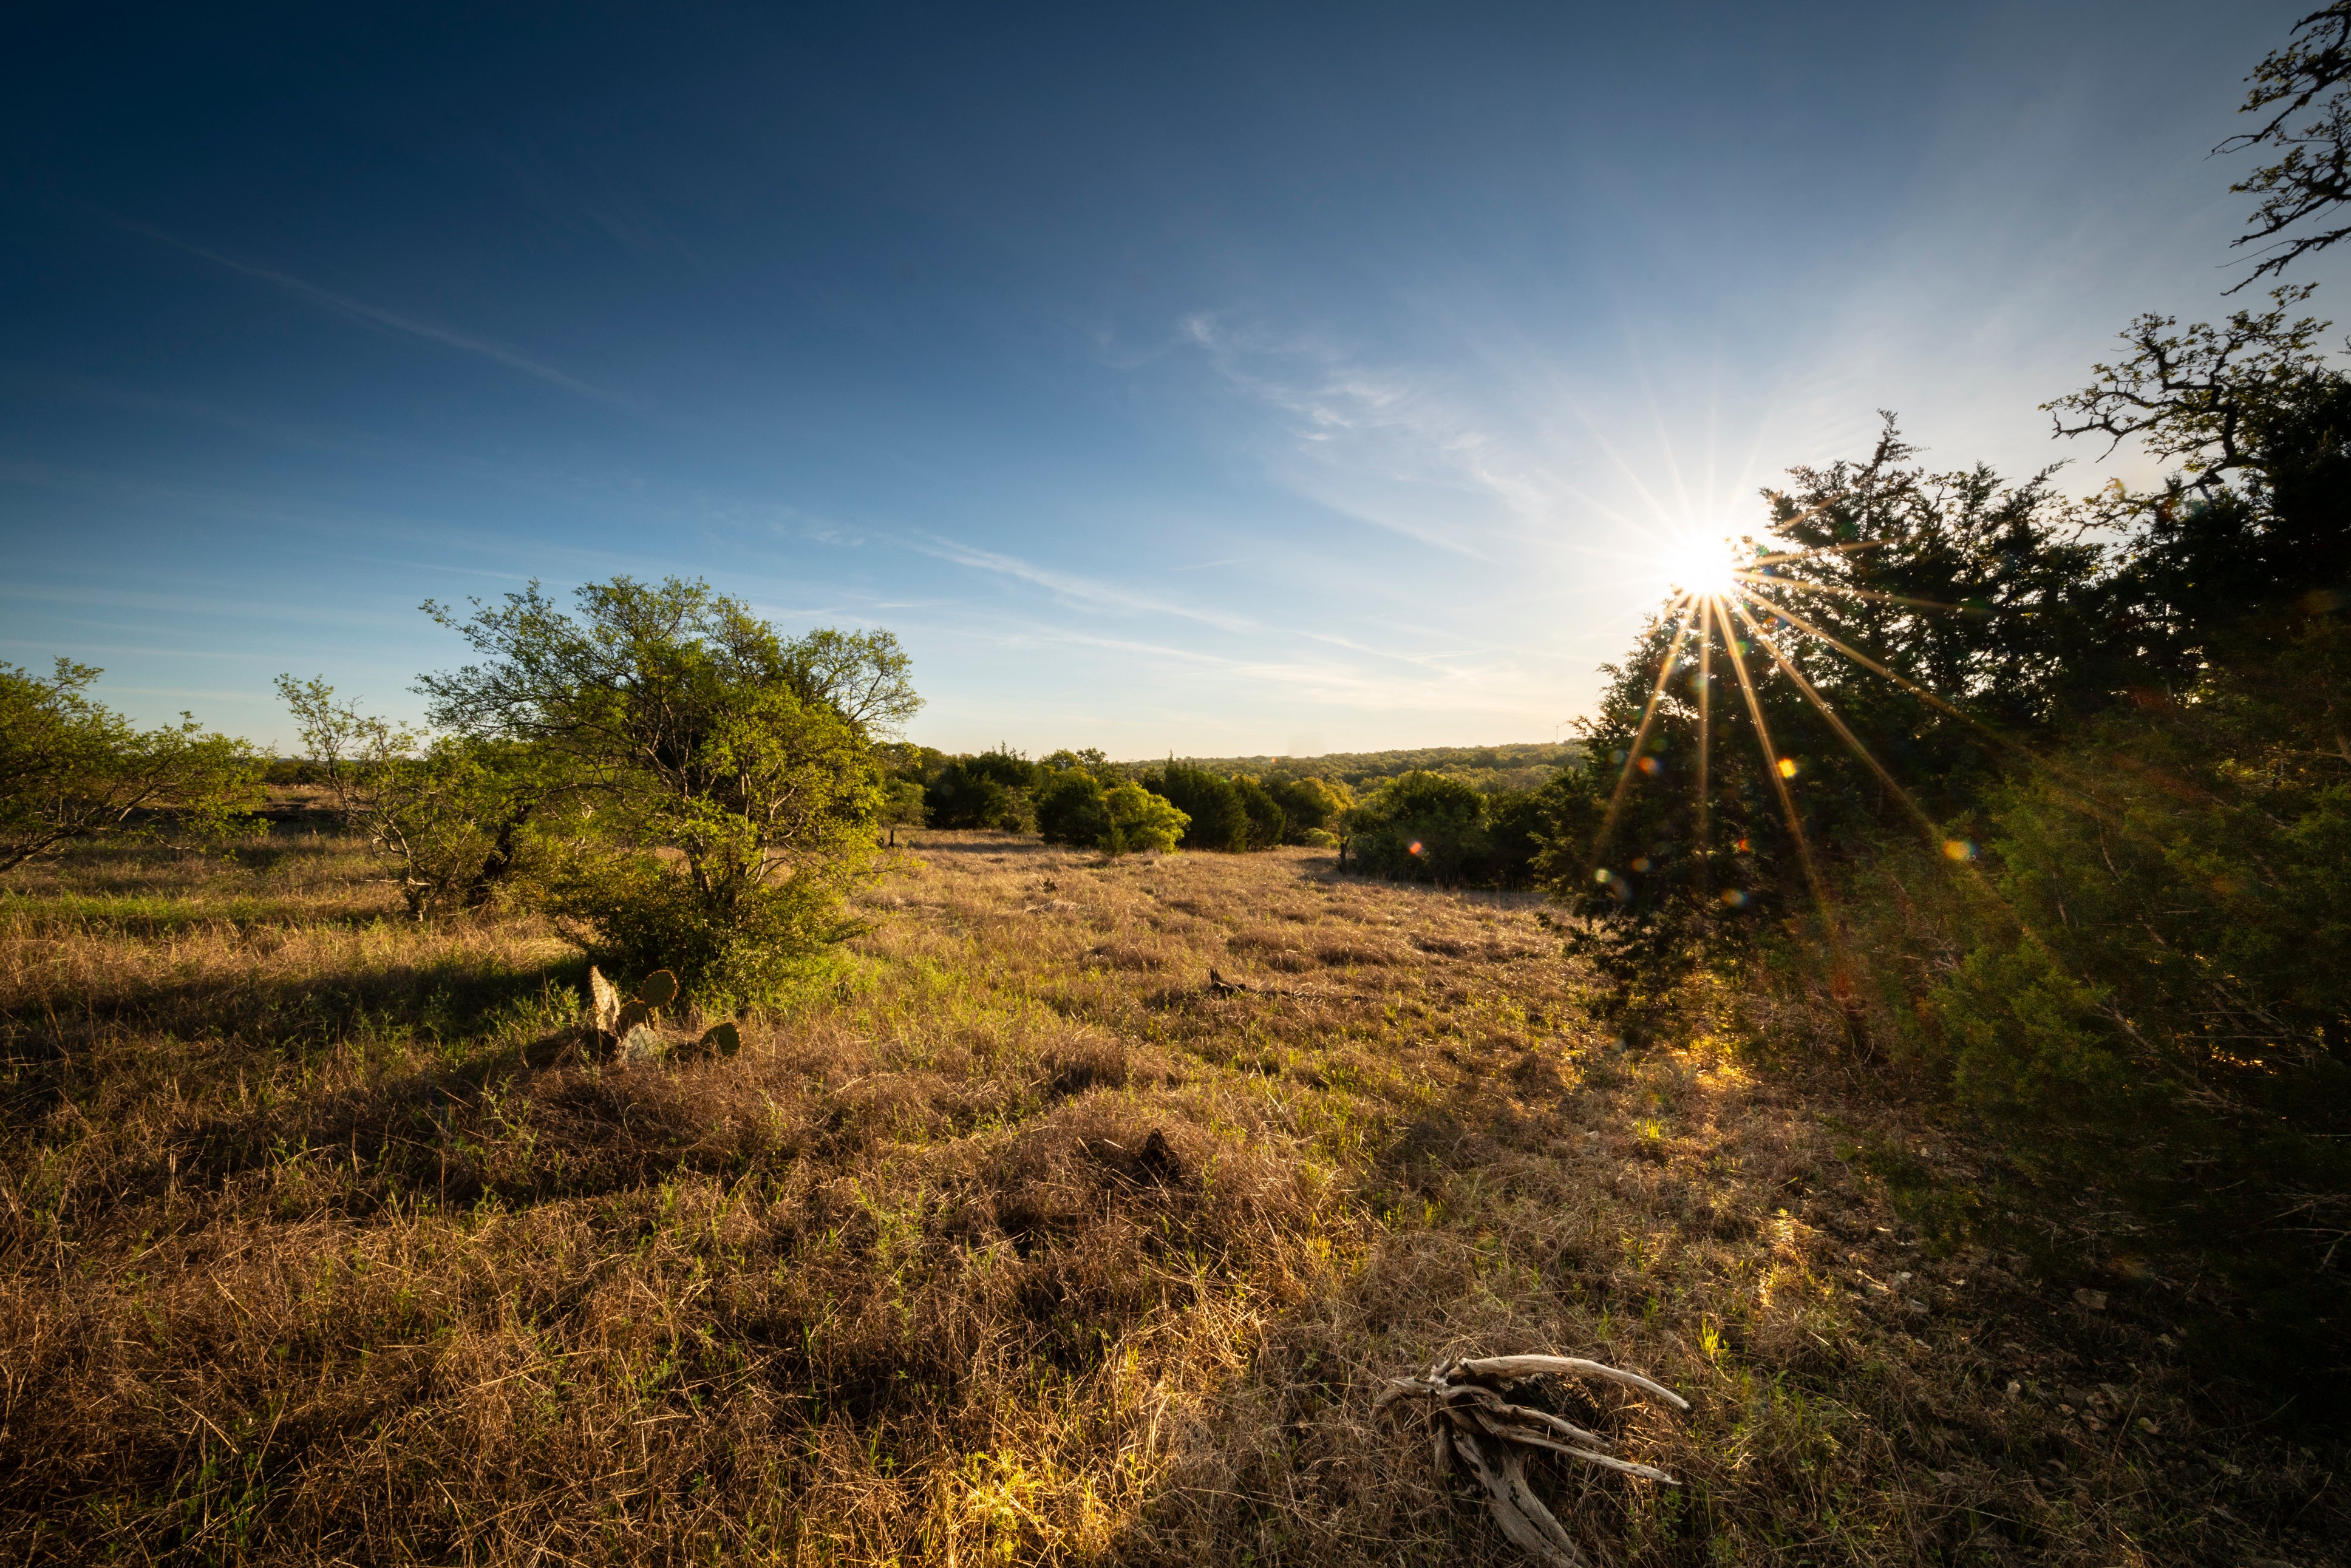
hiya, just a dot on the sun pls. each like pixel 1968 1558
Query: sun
pixel 1703 565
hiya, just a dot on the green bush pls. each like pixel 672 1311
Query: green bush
pixel 993 789
pixel 72 768
pixel 1141 820
pixel 454 818
pixel 2160 1001
pixel 734 942
pixel 1219 818
pixel 1267 824
pixel 1428 826
pixel 1308 807
pixel 903 804
pixel 1072 808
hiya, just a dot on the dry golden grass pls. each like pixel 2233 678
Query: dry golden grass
pixel 1023 1242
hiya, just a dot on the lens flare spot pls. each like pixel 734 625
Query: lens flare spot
pixel 1787 767
pixel 1415 846
pixel 1734 898
pixel 1600 875
pixel 1650 765
pixel 1744 845
pixel 1960 848
pixel 1642 864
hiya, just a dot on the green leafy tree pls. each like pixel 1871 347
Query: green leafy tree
pixel 866 677
pixel 733 802
pixel 453 816
pixel 904 759
pixel 1918 629
pixel 72 768
pixel 903 804
pixel 2225 556
pixel 1089 761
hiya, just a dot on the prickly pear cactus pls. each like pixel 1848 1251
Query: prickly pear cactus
pixel 628 1026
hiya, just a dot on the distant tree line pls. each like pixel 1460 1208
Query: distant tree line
pixel 1462 825
pixel 1083 798
pixel 1490 767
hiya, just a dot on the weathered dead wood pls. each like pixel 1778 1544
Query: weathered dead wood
pixel 1493 1437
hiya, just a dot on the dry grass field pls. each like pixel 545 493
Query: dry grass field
pixel 1026 1241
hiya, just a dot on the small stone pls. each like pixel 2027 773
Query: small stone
pixel 2149 1427
pixel 2096 1301
pixel 2015 1389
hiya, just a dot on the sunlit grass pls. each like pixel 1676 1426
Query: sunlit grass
pixel 319 1245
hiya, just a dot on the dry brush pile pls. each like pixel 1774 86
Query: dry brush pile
pixel 1085 1219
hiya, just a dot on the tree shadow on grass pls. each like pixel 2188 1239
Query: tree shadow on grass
pixel 198 1034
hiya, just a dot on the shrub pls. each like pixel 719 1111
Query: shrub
pixel 1268 823
pixel 1141 820
pixel 735 942
pixel 2161 1002
pixel 1309 806
pixel 903 804
pixel 72 768
pixel 1072 810
pixel 1421 827
pixel 1217 817
pixel 452 818
pixel 993 789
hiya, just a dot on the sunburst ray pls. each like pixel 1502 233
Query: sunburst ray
pixel 1875 595
pixel 1641 735
pixel 1780 782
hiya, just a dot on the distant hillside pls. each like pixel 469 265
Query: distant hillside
pixel 1488 767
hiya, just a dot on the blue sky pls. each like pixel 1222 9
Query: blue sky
pixel 1209 381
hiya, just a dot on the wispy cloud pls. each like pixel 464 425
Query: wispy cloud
pixel 386 320
pixel 1074 589
pixel 1500 452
